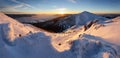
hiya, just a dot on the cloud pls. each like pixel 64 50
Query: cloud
pixel 23 4
pixel 73 1
pixel 15 8
pixel 7 9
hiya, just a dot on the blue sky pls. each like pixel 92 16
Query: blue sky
pixel 59 6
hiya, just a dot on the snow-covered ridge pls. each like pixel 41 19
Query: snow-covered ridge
pixel 85 17
pixel 108 31
pixel 12 29
pixel 67 22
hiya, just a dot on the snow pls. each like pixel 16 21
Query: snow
pixel 108 31
pixel 89 46
pixel 7 32
pixel 85 17
pixel 19 29
pixel 100 40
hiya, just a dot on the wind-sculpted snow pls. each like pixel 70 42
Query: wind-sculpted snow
pixel 89 46
pixel 7 33
pixel 36 45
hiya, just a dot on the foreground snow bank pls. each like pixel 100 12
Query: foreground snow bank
pixel 7 32
pixel 89 46
pixel 36 45
pixel 22 41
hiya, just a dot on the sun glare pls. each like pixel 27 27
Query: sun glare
pixel 62 12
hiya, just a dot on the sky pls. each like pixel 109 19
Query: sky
pixel 59 6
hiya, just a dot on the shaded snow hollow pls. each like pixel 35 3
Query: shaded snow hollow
pixel 23 41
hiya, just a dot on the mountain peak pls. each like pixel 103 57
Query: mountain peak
pixel 86 12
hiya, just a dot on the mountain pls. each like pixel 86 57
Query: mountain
pixel 100 40
pixel 62 24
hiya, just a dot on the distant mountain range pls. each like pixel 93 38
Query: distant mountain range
pixel 62 24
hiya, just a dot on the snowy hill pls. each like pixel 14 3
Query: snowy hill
pixel 10 29
pixel 109 31
pixel 72 20
pixel 100 40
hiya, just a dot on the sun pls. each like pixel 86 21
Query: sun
pixel 61 12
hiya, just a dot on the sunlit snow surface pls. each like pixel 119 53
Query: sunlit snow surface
pixel 17 40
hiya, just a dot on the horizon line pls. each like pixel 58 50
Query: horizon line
pixel 55 13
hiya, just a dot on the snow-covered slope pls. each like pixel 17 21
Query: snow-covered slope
pixel 90 46
pixel 28 44
pixel 109 31
pixel 74 43
pixel 18 28
pixel 101 40
pixel 85 17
